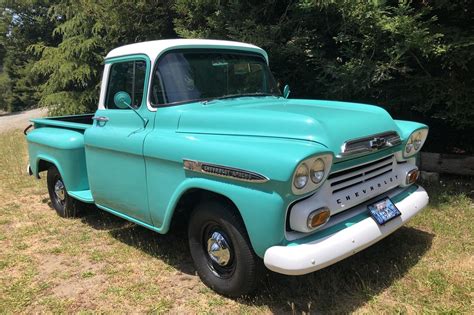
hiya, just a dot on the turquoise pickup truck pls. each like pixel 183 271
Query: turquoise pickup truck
pixel 198 131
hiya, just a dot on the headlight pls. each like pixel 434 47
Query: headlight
pixel 317 171
pixel 409 146
pixel 301 176
pixel 415 142
pixel 314 168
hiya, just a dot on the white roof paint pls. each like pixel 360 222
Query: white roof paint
pixel 154 48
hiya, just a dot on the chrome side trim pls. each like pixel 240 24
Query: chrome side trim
pixel 370 143
pixel 224 171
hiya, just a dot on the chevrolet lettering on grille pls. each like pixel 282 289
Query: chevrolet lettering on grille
pixel 367 190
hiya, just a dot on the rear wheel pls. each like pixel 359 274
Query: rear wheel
pixel 220 248
pixel 65 205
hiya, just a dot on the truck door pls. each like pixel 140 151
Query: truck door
pixel 114 144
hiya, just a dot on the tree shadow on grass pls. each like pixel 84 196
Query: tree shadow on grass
pixel 172 248
pixel 341 288
pixel 349 284
pixel 449 187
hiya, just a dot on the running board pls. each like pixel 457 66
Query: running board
pixel 82 195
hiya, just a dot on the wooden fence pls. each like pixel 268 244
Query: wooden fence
pixel 447 163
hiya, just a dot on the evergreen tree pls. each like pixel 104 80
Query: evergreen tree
pixel 89 29
pixel 412 57
pixel 23 23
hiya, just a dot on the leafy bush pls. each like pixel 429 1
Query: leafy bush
pixel 414 58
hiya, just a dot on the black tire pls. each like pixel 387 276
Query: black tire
pixel 233 271
pixel 65 205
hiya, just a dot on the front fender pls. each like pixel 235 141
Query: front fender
pixel 406 128
pixel 261 205
pixel 263 213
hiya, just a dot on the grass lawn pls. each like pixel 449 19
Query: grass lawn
pixel 102 263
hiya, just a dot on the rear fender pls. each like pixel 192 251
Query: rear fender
pixel 64 149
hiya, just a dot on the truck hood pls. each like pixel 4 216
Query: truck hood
pixel 329 123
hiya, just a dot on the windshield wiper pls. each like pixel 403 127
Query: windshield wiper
pixel 244 95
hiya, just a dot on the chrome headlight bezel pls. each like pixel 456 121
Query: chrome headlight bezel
pixel 309 163
pixel 415 142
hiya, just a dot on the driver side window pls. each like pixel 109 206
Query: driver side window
pixel 128 77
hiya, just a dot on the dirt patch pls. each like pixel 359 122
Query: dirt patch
pixel 74 288
pixel 78 280
pixel 20 119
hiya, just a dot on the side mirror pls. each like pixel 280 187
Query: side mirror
pixel 122 100
pixel 286 91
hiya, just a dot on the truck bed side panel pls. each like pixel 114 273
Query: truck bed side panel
pixel 76 122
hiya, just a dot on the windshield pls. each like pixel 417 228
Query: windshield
pixel 206 75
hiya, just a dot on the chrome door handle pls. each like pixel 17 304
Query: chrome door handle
pixel 100 118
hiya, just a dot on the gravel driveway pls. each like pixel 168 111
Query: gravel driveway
pixel 20 120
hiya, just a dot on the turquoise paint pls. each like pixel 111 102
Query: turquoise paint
pixel 63 124
pixel 129 58
pixel 129 218
pixel 114 155
pixel 65 149
pixel 58 139
pixel 408 127
pixel 311 120
pixel 122 100
pixel 128 168
pixel 82 195
pixel 137 173
pixel 261 211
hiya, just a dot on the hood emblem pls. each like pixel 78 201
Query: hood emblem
pixel 370 143
pixel 377 142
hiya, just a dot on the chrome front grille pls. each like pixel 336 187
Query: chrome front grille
pixel 345 179
pixel 370 143
pixel 350 187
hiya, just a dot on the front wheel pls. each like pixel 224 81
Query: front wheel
pixel 65 205
pixel 220 248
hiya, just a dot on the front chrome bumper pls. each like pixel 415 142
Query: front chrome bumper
pixel 301 257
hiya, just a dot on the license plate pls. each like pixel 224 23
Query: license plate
pixel 383 211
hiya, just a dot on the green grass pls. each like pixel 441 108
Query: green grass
pixel 100 263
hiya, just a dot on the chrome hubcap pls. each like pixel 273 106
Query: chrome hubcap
pixel 59 190
pixel 218 249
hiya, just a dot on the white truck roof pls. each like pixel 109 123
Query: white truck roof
pixel 154 48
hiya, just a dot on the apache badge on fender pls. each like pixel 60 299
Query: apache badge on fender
pixel 224 171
